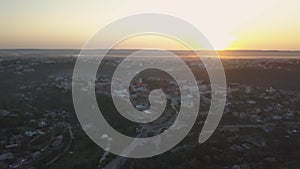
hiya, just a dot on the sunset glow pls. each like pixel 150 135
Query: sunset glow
pixel 256 24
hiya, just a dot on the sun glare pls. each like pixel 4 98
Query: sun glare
pixel 221 42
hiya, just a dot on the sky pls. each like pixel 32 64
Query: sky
pixel 230 24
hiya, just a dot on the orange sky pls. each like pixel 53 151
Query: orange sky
pixel 230 24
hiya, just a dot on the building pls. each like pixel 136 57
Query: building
pixel 58 141
pixel 36 155
pixel 248 89
pixel 6 156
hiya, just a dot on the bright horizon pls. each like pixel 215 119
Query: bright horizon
pixel 228 25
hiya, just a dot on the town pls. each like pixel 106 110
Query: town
pixel 39 129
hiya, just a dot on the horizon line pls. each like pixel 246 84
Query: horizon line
pixel 220 50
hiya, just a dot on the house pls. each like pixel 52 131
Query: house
pixel 3 142
pixel 36 155
pixel 42 124
pixel 203 88
pixel 236 148
pixel 276 117
pixel 248 89
pixel 251 102
pixel 233 87
pixel 18 139
pixel 4 113
pixel 121 93
pixel 15 165
pixel 58 141
pixel 230 128
pixel 257 141
pixel 28 70
pixel 6 156
pixel 270 90
pixel 187 102
pixel 30 133
pixel 141 107
pixel 12 146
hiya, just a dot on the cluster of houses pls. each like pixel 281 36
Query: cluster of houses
pixel 260 105
pixel 22 65
pixel 39 137
pixel 61 82
pixel 279 63
pixel 254 117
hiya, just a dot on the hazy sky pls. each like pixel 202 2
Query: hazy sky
pixel 228 24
